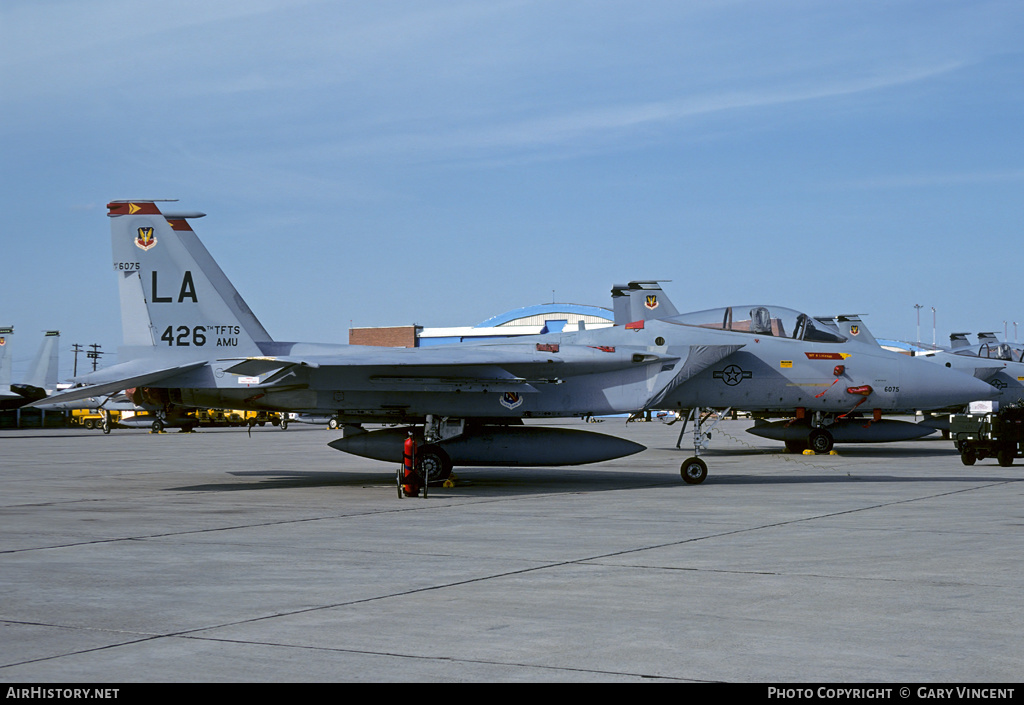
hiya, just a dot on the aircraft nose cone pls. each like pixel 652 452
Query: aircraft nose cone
pixel 933 386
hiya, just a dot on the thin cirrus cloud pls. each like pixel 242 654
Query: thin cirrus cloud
pixel 577 127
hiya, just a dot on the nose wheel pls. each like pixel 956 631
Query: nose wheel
pixel 693 471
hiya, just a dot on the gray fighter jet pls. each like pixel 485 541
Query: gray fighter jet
pixel 191 341
pixel 988 347
pixel 999 363
pixel 41 379
pixel 855 417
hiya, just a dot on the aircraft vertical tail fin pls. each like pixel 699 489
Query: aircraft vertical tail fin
pixel 959 340
pixel 174 296
pixel 620 304
pixel 852 326
pixel 640 301
pixel 44 368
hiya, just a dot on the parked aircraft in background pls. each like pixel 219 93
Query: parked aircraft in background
pixel 104 405
pixel 988 345
pixel 42 377
pixel 999 363
pixel 191 341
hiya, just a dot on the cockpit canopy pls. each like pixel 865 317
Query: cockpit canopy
pixel 775 321
pixel 993 351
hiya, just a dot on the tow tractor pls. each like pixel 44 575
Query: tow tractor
pixel 980 435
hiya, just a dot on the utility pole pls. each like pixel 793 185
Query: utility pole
pixel 933 326
pixel 94 355
pixel 918 307
pixel 76 348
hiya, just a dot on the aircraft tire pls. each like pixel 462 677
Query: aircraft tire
pixel 333 423
pixel 433 464
pixel 693 471
pixel 284 424
pixel 158 426
pixel 820 441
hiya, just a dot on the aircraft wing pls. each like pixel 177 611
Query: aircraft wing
pixel 389 377
pixel 508 367
pixel 118 385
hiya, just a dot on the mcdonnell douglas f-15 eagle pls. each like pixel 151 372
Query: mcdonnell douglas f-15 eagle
pixel 191 341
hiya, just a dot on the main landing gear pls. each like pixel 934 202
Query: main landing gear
pixel 819 440
pixel 428 464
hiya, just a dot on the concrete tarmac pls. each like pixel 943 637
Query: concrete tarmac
pixel 223 557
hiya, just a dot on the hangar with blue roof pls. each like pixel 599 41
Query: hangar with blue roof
pixel 529 320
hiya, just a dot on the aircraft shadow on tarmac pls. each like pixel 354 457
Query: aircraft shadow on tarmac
pixel 283 479
pixel 840 476
pixel 845 451
pixel 490 482
pixel 477 482
pixel 831 467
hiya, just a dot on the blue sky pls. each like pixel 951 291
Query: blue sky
pixel 388 163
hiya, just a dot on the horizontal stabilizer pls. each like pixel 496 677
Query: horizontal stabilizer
pixel 95 390
pixel 28 391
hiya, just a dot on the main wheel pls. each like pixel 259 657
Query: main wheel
pixel 796 446
pixel 820 441
pixel 433 464
pixel 693 471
